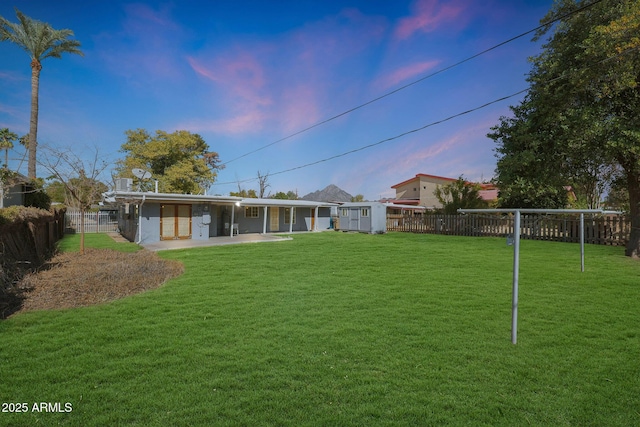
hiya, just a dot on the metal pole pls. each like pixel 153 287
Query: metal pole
pixel 582 242
pixel 233 213
pixel 516 267
pixel 291 219
pixel 264 222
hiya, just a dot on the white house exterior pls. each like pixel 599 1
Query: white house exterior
pixel 152 217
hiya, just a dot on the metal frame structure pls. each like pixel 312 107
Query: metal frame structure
pixel 516 247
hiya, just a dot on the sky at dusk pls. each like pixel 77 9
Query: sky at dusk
pixel 249 76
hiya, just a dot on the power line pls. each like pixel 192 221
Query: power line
pixel 428 76
pixel 365 147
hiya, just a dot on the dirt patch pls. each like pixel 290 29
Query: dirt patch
pixel 99 276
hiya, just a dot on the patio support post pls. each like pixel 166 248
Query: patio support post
pixel 291 219
pixel 233 212
pixel 139 219
pixel 315 218
pixel 264 223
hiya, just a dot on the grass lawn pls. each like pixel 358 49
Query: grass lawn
pixel 337 329
pixel 71 243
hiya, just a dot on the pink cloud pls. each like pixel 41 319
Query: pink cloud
pixel 461 151
pixel 300 108
pixel 427 16
pixel 241 75
pixel 287 80
pixel 407 72
pixel 238 124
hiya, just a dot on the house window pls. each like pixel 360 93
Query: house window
pixel 287 215
pixel 251 212
pixel 364 212
pixel 345 212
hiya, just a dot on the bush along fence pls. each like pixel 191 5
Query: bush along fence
pixel 598 229
pixel 94 222
pixel 26 243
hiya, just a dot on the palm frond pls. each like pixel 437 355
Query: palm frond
pixel 38 38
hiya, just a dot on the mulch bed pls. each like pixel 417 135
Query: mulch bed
pixel 71 279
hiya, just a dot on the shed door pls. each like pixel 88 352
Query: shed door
pixel 274 221
pixel 354 219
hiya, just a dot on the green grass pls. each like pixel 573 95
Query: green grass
pixel 340 329
pixel 71 243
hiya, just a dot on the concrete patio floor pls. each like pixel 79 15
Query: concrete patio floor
pixel 214 241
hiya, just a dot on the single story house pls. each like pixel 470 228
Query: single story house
pixel 146 217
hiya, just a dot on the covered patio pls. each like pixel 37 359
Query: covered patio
pixel 214 241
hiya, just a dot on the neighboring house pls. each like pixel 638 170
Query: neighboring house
pixel 14 195
pixel 151 217
pixel 420 189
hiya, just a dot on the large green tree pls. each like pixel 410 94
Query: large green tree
pixel 40 41
pixel 180 161
pixel 580 119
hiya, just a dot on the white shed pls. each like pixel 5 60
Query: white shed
pixel 366 217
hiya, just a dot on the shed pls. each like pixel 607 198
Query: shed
pixel 365 217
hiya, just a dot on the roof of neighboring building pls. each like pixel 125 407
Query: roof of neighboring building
pixel 489 194
pixel 413 202
pixel 483 186
pixel 382 203
pixel 417 177
pixel 284 202
pixel 404 206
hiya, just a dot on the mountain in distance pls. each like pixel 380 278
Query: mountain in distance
pixel 331 193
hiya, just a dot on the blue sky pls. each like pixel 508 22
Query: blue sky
pixel 244 74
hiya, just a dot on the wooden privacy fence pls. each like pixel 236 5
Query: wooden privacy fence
pixel 601 230
pixel 24 246
pixel 94 222
pixel 31 241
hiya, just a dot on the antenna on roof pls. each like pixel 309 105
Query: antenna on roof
pixel 141 174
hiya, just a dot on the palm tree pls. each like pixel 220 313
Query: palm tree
pixel 40 41
pixel 6 143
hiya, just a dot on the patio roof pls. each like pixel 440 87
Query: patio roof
pixel 285 203
pixel 134 196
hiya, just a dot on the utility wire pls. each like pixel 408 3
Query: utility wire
pixel 365 147
pixel 428 76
